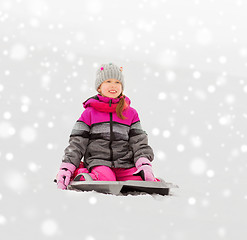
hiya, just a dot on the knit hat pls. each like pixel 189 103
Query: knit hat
pixel 107 71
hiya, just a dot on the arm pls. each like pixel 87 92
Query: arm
pixel 143 153
pixel 77 143
pixel 138 140
pixel 75 151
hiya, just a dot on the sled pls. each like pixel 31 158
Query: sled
pixel 123 187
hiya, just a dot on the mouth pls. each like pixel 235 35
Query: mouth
pixel 113 91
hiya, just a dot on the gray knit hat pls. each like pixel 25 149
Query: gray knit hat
pixel 107 71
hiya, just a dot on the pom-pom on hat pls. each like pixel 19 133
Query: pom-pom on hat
pixel 107 71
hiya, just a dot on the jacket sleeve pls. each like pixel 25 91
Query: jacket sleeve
pixel 138 140
pixel 78 140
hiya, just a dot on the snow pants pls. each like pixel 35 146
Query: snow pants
pixel 104 173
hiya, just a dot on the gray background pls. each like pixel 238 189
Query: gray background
pixel 185 69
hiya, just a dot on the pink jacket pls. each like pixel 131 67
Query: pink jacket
pixel 102 138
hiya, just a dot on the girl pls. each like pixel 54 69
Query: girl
pixel 108 135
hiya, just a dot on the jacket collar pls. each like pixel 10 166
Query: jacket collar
pixel 103 104
pixel 107 99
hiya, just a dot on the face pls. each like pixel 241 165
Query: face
pixel 110 88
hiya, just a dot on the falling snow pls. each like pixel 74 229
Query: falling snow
pixel 49 227
pixel 197 166
pixel 184 64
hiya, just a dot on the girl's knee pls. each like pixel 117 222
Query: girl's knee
pixel 103 173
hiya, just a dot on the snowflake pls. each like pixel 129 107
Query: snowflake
pixel 49 227
pixel 198 166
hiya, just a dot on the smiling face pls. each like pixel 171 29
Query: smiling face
pixel 111 88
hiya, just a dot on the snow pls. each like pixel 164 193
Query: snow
pixel 18 52
pixel 204 37
pixel 166 134
pixel 2 220
pixel 49 227
pixel 244 148
pixel 7 115
pixel 211 89
pixel 198 166
pixel 9 156
pixel 155 131
pixel 89 238
pixel 1 88
pixel 196 74
pixel 33 167
pixel 28 134
pixel 92 200
pixel 210 173
pixel 160 155
pixel 6 130
pixel 162 96
pixel 7 72
pixel 192 201
pixel 15 181
pixel 196 141
pixel 180 147
pixel 126 36
pixel 185 71
pixel 245 88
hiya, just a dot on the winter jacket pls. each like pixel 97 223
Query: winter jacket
pixel 102 138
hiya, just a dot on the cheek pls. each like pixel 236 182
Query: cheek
pixel 103 87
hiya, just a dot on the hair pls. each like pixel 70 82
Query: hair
pixel 120 106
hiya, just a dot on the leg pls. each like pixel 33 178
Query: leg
pixel 103 173
pixel 124 174
pixel 80 169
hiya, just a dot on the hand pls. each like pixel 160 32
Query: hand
pixel 144 169
pixel 64 175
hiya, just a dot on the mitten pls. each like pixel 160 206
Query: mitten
pixel 64 175
pixel 144 169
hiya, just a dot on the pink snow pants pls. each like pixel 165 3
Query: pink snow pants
pixel 104 173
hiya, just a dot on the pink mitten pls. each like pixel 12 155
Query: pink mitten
pixel 64 175
pixel 144 169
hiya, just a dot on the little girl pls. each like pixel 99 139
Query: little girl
pixel 108 135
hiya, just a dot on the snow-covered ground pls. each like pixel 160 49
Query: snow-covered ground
pixel 185 67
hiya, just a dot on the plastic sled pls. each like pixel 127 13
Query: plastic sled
pixel 123 187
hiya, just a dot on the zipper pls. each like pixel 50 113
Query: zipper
pixel 111 136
